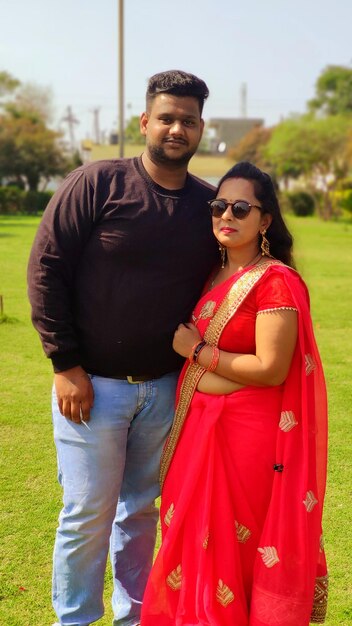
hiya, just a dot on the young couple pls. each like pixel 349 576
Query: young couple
pixel 121 255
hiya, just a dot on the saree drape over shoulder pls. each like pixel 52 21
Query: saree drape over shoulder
pixel 244 477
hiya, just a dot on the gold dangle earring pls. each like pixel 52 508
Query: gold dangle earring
pixel 265 246
pixel 222 255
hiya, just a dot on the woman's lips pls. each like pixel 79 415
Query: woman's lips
pixel 228 230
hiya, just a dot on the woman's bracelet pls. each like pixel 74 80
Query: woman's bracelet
pixel 214 360
pixel 195 351
pixel 191 354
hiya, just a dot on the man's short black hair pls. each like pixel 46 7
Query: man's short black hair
pixel 177 83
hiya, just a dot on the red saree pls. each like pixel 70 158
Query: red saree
pixel 244 479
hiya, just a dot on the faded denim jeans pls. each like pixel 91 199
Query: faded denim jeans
pixel 109 474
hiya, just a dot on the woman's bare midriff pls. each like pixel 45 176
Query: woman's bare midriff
pixel 217 385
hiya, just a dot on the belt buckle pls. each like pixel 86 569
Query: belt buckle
pixel 133 382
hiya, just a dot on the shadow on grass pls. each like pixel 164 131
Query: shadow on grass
pixel 5 319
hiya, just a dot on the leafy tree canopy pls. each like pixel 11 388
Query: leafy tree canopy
pixel 7 83
pixel 132 131
pixel 333 91
pixel 33 101
pixel 251 147
pixel 29 150
pixel 303 144
pixel 314 147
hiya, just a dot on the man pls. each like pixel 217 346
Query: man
pixel 120 257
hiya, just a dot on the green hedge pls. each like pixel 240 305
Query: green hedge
pixel 16 201
pixel 344 199
pixel 11 200
pixel 302 203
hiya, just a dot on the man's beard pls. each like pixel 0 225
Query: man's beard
pixel 159 157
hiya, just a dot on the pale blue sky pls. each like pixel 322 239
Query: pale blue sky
pixel 278 48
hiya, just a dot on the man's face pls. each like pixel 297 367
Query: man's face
pixel 173 129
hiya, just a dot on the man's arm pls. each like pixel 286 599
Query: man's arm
pixel 60 239
pixel 64 230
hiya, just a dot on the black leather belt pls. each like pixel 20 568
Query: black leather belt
pixel 134 380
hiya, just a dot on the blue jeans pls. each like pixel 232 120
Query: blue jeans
pixel 109 473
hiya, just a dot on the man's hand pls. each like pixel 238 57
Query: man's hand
pixel 74 393
pixel 185 337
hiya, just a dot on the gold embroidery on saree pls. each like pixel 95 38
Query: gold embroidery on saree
pixel 206 311
pixel 321 544
pixel 174 578
pixel 276 309
pixel 243 533
pixel 310 501
pixel 310 364
pixel 232 300
pixel 269 555
pixel 320 601
pixel 228 307
pixel 287 421
pixel 206 541
pixel 224 594
pixel 188 387
pixel 169 514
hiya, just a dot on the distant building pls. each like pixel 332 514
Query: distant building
pixel 225 133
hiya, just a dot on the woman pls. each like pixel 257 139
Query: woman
pixel 243 471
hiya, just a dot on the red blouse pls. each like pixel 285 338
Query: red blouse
pixel 239 334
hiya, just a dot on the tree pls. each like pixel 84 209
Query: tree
pixel 289 162
pixel 315 147
pixel 7 83
pixel 33 100
pixel 29 150
pixel 251 147
pixel 333 91
pixel 349 146
pixel 132 131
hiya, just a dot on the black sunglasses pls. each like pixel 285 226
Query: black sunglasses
pixel 240 208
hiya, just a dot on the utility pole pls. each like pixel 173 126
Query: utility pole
pixel 96 127
pixel 243 98
pixel 121 78
pixel 71 121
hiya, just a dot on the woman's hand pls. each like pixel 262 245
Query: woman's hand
pixel 185 337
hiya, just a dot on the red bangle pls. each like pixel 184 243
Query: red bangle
pixel 214 360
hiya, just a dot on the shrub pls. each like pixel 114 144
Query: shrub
pixel 345 184
pixel 302 203
pixel 344 200
pixel 11 200
pixel 35 201
pixel 14 201
pixel 43 198
pixel 284 202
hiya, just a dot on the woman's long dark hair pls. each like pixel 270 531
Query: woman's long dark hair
pixel 280 238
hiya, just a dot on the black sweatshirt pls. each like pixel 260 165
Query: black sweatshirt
pixel 117 263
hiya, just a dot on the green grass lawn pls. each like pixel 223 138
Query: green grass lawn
pixel 30 497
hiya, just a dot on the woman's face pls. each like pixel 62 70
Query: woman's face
pixel 232 232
